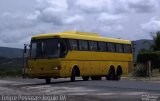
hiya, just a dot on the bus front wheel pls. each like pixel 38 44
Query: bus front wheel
pixel 85 78
pixel 48 80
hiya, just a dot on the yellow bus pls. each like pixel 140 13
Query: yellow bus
pixel 74 54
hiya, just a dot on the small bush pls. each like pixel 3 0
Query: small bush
pixel 140 70
pixel 10 72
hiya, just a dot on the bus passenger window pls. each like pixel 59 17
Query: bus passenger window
pixel 73 44
pixel 111 47
pixel 127 48
pixel 83 45
pixel 119 48
pixel 102 46
pixel 92 45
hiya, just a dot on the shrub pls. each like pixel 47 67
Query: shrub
pixel 10 72
pixel 140 70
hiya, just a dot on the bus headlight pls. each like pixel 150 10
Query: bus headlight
pixel 30 69
pixel 56 68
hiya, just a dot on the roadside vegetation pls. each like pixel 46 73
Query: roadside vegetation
pixel 152 55
pixel 10 67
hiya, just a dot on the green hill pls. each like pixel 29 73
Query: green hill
pixel 10 61
pixel 11 52
pixel 10 66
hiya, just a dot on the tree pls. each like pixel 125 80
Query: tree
pixel 147 43
pixel 156 40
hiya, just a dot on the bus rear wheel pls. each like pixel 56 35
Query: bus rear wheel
pixel 73 75
pixel 118 73
pixel 85 78
pixel 48 80
pixel 95 77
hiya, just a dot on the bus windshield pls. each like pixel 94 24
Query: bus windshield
pixel 45 48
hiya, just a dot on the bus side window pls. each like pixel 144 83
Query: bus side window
pixel 83 45
pixel 127 48
pixel 92 46
pixel 73 44
pixel 102 46
pixel 119 48
pixel 111 47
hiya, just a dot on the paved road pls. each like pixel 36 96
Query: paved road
pixel 98 90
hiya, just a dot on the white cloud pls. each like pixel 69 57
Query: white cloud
pixel 143 6
pixel 74 19
pixel 51 11
pixel 117 6
pixel 110 23
pixel 6 14
pixel 111 28
pixel 109 17
pixel 101 16
pixel 57 5
pixel 50 15
pixel 119 27
pixel 33 16
pixel 90 6
pixel 152 26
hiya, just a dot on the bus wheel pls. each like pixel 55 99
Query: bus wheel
pixel 73 75
pixel 118 73
pixel 95 77
pixel 85 78
pixel 48 80
pixel 118 77
pixel 111 74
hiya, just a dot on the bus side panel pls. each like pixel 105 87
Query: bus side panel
pixel 65 68
pixel 91 68
pixel 130 67
pixel 86 69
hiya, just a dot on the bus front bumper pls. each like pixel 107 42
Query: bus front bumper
pixel 44 75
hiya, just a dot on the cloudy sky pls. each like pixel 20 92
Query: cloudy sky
pixel 126 19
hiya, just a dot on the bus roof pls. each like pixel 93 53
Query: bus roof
pixel 80 35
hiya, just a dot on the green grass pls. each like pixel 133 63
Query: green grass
pixel 10 72
pixel 156 73
pixel 10 67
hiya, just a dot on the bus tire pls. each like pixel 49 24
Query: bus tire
pixel 95 77
pixel 85 78
pixel 48 80
pixel 111 74
pixel 118 78
pixel 73 75
pixel 118 73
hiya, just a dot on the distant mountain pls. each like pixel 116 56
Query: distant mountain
pixel 143 44
pixel 7 52
pixel 11 62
